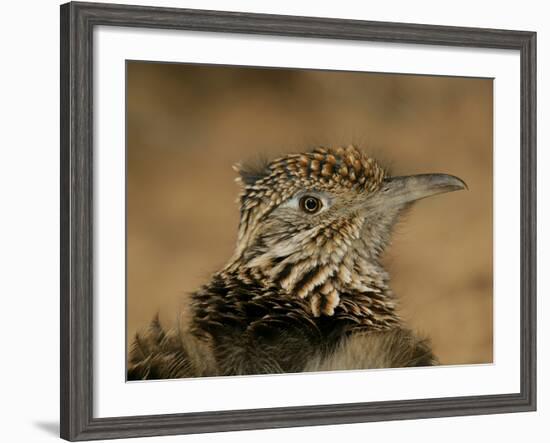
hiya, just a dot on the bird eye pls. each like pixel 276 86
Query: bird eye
pixel 310 204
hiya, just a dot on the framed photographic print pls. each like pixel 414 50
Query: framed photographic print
pixel 273 221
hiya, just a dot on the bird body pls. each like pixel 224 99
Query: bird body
pixel 304 289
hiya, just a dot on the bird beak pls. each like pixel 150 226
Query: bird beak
pixel 400 191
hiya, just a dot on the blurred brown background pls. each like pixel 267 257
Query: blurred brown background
pixel 187 124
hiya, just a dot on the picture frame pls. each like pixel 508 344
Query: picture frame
pixel 78 21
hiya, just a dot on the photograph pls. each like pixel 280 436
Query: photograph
pixel 283 220
pixel 278 219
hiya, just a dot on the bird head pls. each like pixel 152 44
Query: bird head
pixel 316 223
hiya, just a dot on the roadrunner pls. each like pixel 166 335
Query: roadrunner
pixel 304 289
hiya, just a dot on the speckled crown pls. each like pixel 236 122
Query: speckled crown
pixel 322 168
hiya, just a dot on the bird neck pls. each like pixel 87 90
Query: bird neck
pixel 354 287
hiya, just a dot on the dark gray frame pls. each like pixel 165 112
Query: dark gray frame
pixel 77 24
